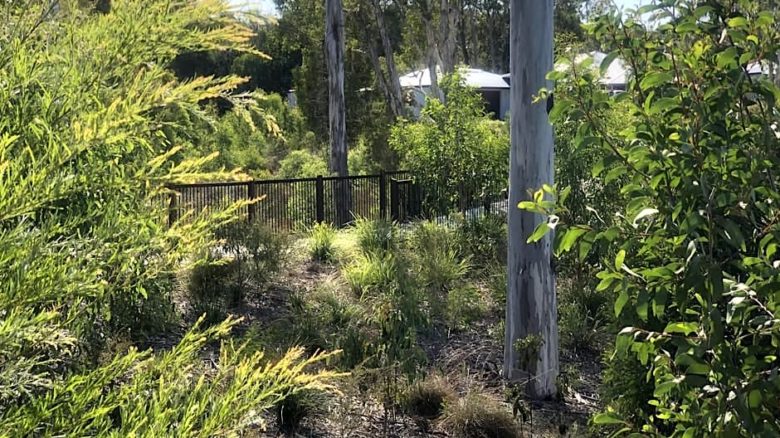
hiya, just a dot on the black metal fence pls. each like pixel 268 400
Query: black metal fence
pixel 294 204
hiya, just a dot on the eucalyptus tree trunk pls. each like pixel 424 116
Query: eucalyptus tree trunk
pixel 531 314
pixel 433 55
pixel 334 44
pixel 392 84
pixel 449 18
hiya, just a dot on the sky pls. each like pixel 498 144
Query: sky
pixel 267 6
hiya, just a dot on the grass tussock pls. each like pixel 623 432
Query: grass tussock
pixel 428 397
pixel 477 416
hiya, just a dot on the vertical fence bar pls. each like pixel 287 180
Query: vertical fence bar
pixel 319 199
pixel 382 196
pixel 394 198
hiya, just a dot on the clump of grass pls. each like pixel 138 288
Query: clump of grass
pixel 296 407
pixel 375 236
pixel 321 247
pixel 372 273
pixel 583 315
pixel 428 397
pixel 437 261
pixel 464 305
pixel 496 283
pixel 477 416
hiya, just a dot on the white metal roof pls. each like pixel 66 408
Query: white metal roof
pixel 471 76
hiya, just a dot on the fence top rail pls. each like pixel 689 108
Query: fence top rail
pixel 279 181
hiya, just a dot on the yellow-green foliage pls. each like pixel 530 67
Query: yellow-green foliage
pixel 85 101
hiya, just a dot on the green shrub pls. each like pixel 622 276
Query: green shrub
pixel 375 236
pixel 321 248
pixel 154 313
pixel 497 284
pixel 691 259
pixel 259 251
pixel 428 397
pixel 477 416
pixel 213 288
pixel 484 240
pixel 625 386
pixel 329 319
pixel 454 147
pixel 303 164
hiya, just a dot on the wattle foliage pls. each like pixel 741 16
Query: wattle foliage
pixel 694 266
pixel 85 103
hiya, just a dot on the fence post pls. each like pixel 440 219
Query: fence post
pixel 394 200
pixel 252 194
pixel 320 199
pixel 382 195
pixel 173 208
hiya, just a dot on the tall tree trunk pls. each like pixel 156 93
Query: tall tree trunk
pixel 531 303
pixel 334 43
pixel 434 58
pixel 449 16
pixel 463 34
pixel 393 84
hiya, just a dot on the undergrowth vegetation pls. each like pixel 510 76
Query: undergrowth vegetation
pixel 88 115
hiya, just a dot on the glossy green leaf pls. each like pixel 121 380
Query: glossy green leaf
pixel 685 328
pixel 607 418
pixel 540 231
pixel 620 258
pixel 655 79
pixel 621 302
pixel 570 238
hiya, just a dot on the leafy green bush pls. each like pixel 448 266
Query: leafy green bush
pixel 249 256
pixel 303 164
pixel 477 416
pixel 690 260
pixel 427 398
pixel 213 288
pixel 259 251
pixel 328 319
pixel 369 275
pixel 483 240
pixel 454 148
pixel 583 316
pixel 626 386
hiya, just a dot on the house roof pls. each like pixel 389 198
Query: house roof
pixel 471 76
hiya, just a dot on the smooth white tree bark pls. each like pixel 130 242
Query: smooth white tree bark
pixel 531 302
pixel 334 45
